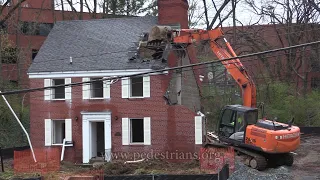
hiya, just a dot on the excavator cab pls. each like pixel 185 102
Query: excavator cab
pixel 234 120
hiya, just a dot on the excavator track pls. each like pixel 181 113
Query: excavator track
pixel 254 160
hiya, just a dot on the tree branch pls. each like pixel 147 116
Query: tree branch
pixel 11 12
pixel 206 13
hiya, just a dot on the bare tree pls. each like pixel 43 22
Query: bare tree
pixel 293 22
pixel 222 12
pixel 10 12
pixel 195 13
pixel 81 10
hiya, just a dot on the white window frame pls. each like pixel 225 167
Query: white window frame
pixel 49 93
pixel 90 93
pixel 127 132
pixel 126 88
pixel 87 91
pixel 53 132
pixel 49 131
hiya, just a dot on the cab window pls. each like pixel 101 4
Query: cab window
pixel 227 117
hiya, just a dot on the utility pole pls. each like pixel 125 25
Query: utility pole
pixel 1 77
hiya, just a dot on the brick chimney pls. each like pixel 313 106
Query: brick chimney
pixel 173 12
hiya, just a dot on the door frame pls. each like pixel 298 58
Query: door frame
pixel 87 118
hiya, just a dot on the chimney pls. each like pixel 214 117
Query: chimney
pixel 172 12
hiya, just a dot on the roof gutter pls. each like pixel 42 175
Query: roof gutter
pixel 101 73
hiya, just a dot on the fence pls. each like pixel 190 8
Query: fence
pixel 310 130
pixel 7 153
pixel 222 175
pixel 48 160
pixel 1 158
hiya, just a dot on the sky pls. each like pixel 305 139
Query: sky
pixel 243 13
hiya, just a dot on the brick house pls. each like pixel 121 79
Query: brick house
pixel 155 113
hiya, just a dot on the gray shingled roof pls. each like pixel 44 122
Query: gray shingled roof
pixel 104 44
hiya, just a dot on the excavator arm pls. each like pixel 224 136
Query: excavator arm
pixel 262 141
pixel 233 66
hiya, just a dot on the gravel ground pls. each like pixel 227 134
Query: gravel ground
pixel 305 167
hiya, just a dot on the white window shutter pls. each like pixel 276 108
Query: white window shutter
pixel 125 84
pixel 147 130
pixel 47 92
pixel 48 132
pixel 146 86
pixel 68 129
pixel 198 129
pixel 106 89
pixel 85 89
pixel 125 131
pixel 67 88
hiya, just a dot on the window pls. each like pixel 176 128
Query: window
pixel 251 117
pixel 58 131
pixel 136 128
pixel 45 28
pixel 136 85
pixel 33 28
pixel 96 88
pixel 227 117
pixel 136 131
pixel 58 92
pixel 240 122
pixel 34 53
pixel 315 83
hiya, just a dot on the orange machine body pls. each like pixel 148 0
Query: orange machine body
pixel 270 141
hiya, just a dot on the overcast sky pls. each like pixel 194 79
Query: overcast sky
pixel 243 13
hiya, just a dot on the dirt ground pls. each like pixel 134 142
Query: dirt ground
pixel 307 163
pixel 305 167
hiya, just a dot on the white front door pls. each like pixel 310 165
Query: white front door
pixel 89 134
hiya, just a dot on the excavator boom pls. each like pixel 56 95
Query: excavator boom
pixel 261 141
pixel 233 66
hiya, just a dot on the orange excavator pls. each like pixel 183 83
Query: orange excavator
pixel 262 142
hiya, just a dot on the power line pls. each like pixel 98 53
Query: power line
pixel 192 76
pixel 125 51
pixel 162 70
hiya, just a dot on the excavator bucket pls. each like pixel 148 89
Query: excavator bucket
pixel 157 43
pixel 160 34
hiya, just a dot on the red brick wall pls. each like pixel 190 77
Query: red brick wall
pixel 172 127
pixel 173 11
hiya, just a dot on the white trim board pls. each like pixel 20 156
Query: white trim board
pixel 102 73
